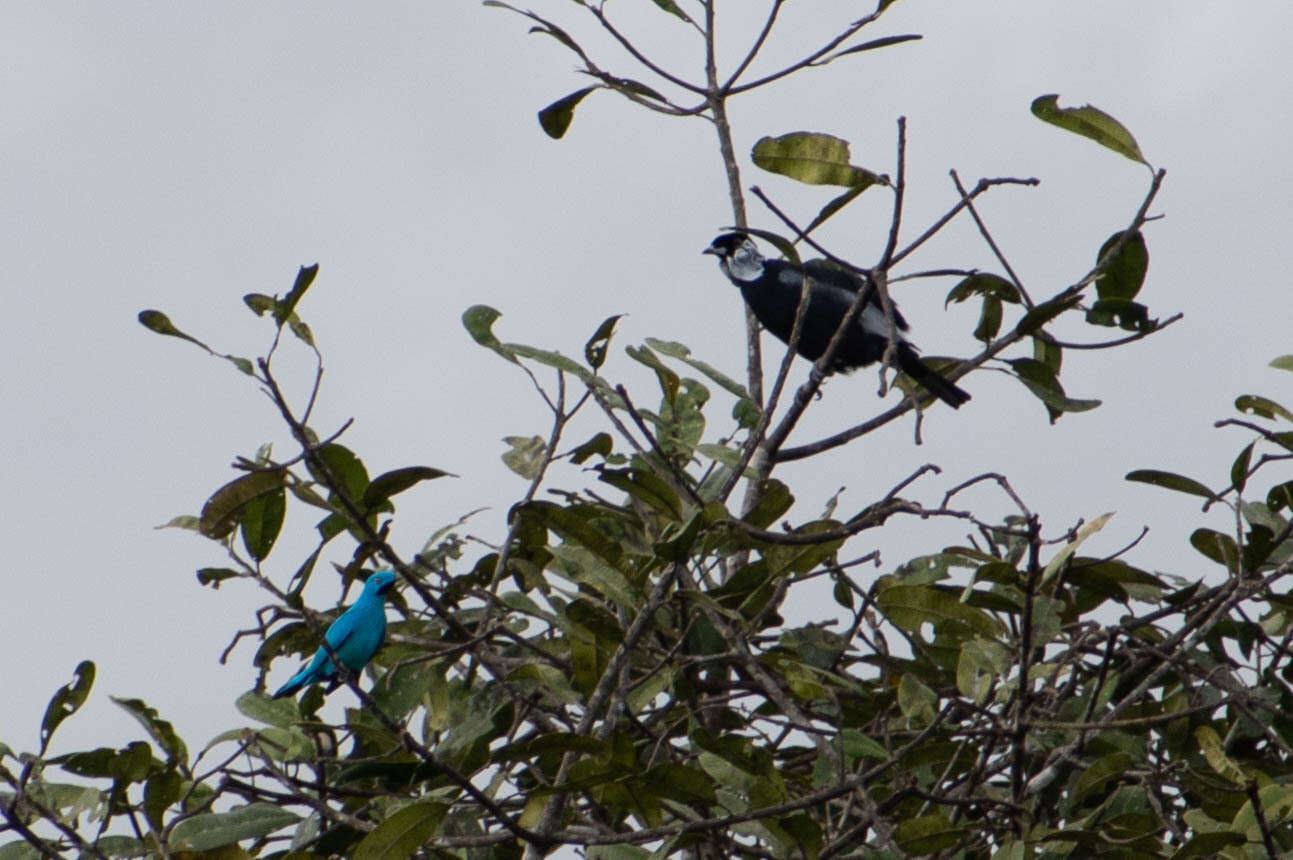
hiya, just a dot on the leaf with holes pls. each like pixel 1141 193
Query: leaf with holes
pixel 221 512
pixel 1090 122
pixel 67 700
pixel 813 158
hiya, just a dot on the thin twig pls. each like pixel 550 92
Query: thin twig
pixel 987 237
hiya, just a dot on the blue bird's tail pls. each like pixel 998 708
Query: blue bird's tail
pixel 297 681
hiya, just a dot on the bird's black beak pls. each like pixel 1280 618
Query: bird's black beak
pixel 712 250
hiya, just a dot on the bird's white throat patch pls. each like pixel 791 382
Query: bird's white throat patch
pixel 745 263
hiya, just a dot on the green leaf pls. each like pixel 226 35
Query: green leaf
pixel 927 834
pixel 552 359
pixel 160 791
pixel 1280 496
pixel 1219 547
pixel 981 663
pixel 260 303
pixel 20 850
pixel 645 486
pixel 281 713
pixel 680 783
pixel 213 576
pixel 1124 274
pixel 221 512
pixel 773 500
pixel 158 729
pixel 1283 362
pixel 399 836
pixel 129 846
pixel 577 524
pixel 986 285
pixel 161 323
pixel 1209 845
pixel 594 619
pixel 1251 404
pixel 556 117
pixel 214 829
pixel 284 308
pixel 835 204
pixel 1048 353
pixel 668 380
pixel 242 364
pixel 131 763
pixel 302 331
pixel 1170 481
pixel 917 702
pixel 842 593
pixel 67 700
pixel 910 606
pixel 672 8
pixel 882 42
pixel 552 742
pixel 396 481
pixel 1089 122
pixel 1239 469
pixel 1047 311
pixel 630 87
pixel 856 745
pixel 526 455
pixel 600 444
pixel 595 349
pixel 183 521
pixel 1098 774
pixel 989 320
pixel 813 158
pixel 1071 547
pixel 260 522
pixel 679 539
pixel 672 349
pixel 1275 801
pixel 337 467
pixel 549 679
pixel 479 321
pixel 1128 315
pixel 1210 743
pixel 1045 386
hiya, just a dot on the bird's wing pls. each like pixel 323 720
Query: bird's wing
pixel 840 287
pixel 342 629
pixel 826 272
pixel 358 632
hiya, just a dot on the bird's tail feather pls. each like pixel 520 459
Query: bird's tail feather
pixel 287 689
pixel 931 380
pixel 294 684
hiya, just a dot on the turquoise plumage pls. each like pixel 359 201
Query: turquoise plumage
pixel 354 637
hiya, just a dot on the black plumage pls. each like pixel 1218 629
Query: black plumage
pixel 772 288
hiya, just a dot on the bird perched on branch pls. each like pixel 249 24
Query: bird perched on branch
pixel 354 637
pixel 772 288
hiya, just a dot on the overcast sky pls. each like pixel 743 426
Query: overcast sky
pixel 177 156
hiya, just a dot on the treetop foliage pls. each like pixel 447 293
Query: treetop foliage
pixel 616 673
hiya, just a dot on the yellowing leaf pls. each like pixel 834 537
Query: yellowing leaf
pixel 1089 122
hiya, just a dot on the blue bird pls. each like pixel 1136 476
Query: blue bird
pixel 354 637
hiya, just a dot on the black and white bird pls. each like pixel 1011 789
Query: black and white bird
pixel 772 288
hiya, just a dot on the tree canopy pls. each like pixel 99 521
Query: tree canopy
pixel 614 673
